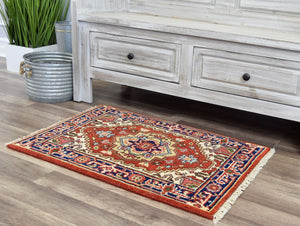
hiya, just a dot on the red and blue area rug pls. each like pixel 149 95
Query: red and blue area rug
pixel 192 169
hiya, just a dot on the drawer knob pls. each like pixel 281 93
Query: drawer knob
pixel 130 56
pixel 246 76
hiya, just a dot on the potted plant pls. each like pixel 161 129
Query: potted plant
pixel 29 26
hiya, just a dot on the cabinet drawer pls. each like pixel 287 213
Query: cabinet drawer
pixel 246 75
pixel 141 57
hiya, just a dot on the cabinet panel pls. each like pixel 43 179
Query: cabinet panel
pixel 289 6
pixel 232 73
pixel 196 3
pixel 148 58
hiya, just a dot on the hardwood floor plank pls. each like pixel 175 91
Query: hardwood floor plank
pixel 9 133
pixel 15 212
pixel 112 202
pixel 21 169
pixel 57 204
pixel 250 213
pixel 286 198
pixel 242 132
pixel 285 168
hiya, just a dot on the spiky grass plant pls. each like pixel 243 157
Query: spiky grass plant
pixel 30 23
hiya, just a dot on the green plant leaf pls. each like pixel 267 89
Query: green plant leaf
pixel 30 23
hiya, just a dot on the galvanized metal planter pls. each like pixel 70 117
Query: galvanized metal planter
pixel 63 32
pixel 49 76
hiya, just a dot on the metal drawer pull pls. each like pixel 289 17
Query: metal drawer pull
pixel 246 76
pixel 130 56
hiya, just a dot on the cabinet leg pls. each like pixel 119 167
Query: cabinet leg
pixel 83 91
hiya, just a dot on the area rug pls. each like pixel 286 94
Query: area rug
pixel 192 169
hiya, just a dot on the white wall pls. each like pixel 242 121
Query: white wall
pixel 3 38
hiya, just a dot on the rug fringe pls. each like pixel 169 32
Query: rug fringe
pixel 251 176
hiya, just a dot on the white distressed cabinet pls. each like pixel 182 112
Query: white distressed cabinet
pixel 243 54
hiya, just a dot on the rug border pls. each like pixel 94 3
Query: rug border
pixel 106 179
pixel 120 184
pixel 249 177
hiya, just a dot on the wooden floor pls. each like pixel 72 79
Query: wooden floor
pixel 34 192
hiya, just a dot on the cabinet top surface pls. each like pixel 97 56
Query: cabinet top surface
pixel 251 35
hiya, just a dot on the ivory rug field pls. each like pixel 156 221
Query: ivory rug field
pixel 188 168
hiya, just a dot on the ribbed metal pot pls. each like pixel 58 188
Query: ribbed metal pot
pixel 49 76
